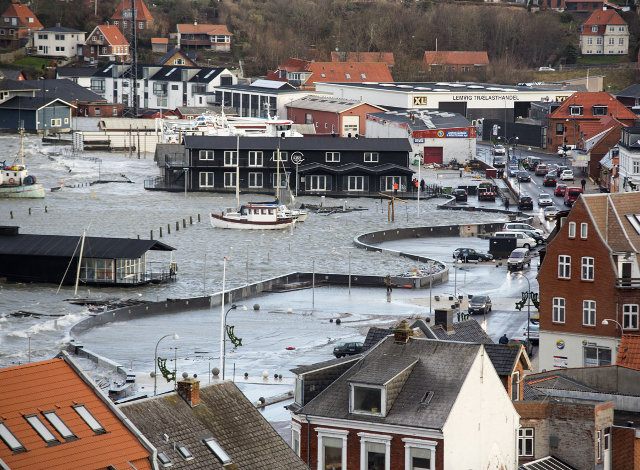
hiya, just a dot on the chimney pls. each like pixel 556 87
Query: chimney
pixel 189 389
pixel 402 334
pixel 444 318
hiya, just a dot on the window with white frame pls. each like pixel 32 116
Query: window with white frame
pixel 564 267
pixel 526 440
pixel 284 156
pixel 295 438
pixel 206 179
pixel 611 41
pixel 594 29
pixel 630 316
pixel 371 157
pixel 589 312
pixel 255 158
pixel 375 451
pixel 419 454
pixel 205 155
pixel 636 166
pixel 595 356
pixel 589 41
pixel 558 310
pixel 332 157
pixel 584 230
pixel 598 445
pixel 56 122
pixel 621 41
pixel 367 399
pixel 230 179
pixel 255 180
pixel 332 448
pixel 588 271
pixel 283 178
pixel 575 110
pixel 515 386
pixel 355 183
pixel 230 158
pixel 316 183
pixel 572 229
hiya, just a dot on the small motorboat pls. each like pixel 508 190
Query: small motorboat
pixel 252 217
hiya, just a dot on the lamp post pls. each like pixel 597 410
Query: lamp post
pixel 297 159
pixel 155 362
pixel 224 339
pixel 607 320
pixel 528 307
pixel 186 172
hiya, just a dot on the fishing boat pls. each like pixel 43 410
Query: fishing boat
pixel 15 180
pixel 251 217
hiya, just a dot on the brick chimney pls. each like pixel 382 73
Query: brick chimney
pixel 189 389
pixel 402 333
pixel 444 318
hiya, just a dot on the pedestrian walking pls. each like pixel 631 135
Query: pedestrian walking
pixel 583 183
pixel 422 185
pixel 387 282
pixel 460 173
pixel 415 182
pixel 395 189
pixel 503 339
pixel 506 203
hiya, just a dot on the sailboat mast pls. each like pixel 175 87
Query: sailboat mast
pixel 75 292
pixel 238 172
pixel 22 143
pixel 278 173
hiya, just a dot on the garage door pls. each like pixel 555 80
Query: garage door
pixel 433 155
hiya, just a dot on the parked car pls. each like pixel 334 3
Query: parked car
pixel 525 203
pixel 523 176
pixel 524 342
pixel 347 349
pixel 499 150
pixel 469 254
pixel 538 238
pixel 550 179
pixel 460 194
pixel 513 170
pixel 522 239
pixel 567 175
pixel 571 195
pixel 480 304
pixel 550 213
pixel 546 69
pixel 533 332
pixel 565 148
pixel 560 189
pixel 518 259
pixel 544 199
pixel 542 169
pixel 559 169
pixel 519 226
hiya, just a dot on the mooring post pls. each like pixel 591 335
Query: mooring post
pixel 151 235
pixel 198 217
pixel 184 223
pixel 190 220
pixel 177 226
pixel 168 229
pixel 160 232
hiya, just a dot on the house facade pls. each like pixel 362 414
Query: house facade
pixel 629 160
pixel 590 274
pixel 58 42
pixel 409 403
pixel 106 43
pixel 455 61
pixel 17 23
pixel 604 33
pixel 596 138
pixel 213 36
pixel 123 17
pixel 178 57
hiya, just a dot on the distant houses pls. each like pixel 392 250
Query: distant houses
pixel 212 36
pixel 58 42
pixel 124 16
pixel 455 61
pixel 604 33
pixel 16 24
pixel 106 43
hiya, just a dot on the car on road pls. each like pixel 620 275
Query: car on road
pixel 519 226
pixel 524 342
pixel 522 239
pixel 347 349
pixel 542 169
pixel 530 162
pixel 523 176
pixel 480 304
pixel 518 259
pixel 550 213
pixel 565 148
pixel 499 150
pixel 513 170
pixel 571 195
pixel 550 180
pixel 559 169
pixel 460 194
pixel 546 69
pixel 567 175
pixel 525 203
pixel 538 238
pixel 533 332
pixel 560 189
pixel 544 199
pixel 499 161
pixel 470 254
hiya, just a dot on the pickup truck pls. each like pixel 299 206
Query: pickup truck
pixel 486 192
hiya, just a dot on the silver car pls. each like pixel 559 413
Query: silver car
pixel 480 304
pixel 544 199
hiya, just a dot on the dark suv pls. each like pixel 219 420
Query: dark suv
pixel 460 194
pixel 525 203
pixel 347 349
pixel 550 180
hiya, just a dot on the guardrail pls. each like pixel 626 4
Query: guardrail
pixel 628 282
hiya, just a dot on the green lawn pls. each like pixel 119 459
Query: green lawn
pixel 35 62
pixel 601 59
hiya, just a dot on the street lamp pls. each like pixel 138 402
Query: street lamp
pixel 528 307
pixel 224 338
pixel 155 361
pixel 607 320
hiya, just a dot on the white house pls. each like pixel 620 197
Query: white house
pixel 58 42
pixel 629 160
pixel 604 32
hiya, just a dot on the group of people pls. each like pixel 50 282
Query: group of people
pixel 415 185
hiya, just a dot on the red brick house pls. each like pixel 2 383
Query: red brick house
pixel 332 116
pixel 455 61
pixel 386 57
pixel 590 274
pixel 106 43
pixel 563 125
pixel 122 17
pixel 596 139
pixel 17 22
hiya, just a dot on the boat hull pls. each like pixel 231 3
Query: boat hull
pixel 219 221
pixel 32 191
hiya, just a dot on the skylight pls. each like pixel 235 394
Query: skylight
pixel 9 439
pixel 426 398
pixel 209 74
pixel 58 424
pixel 185 453
pixel 214 447
pixel 164 460
pixel 88 418
pixel 40 428
pixel 170 71
pixel 634 220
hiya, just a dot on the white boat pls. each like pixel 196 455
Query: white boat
pixel 15 181
pixel 251 217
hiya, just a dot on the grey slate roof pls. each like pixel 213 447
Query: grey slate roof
pixel 547 463
pixel 76 71
pixel 10 74
pixel 325 103
pixel 504 356
pixel 442 368
pixel 467 331
pixel 424 119
pixel 632 91
pixel 226 415
pixel 28 103
pixel 301 370
pixel 167 56
pixel 65 246
pixel 374 336
pixel 379 373
pixel 60 29
pixel 64 89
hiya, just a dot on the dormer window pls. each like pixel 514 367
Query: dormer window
pixel 599 110
pixel 575 110
pixel 368 399
pixel 594 29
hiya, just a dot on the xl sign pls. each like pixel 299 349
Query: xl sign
pixel 420 100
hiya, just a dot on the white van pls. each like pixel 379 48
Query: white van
pixel 522 240
pixel 518 226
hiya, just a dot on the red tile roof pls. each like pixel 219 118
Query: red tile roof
pixel 592 128
pixel 456 57
pixel 54 385
pixel 159 40
pixel 23 13
pixel 589 99
pixel 386 57
pixel 112 35
pixel 210 29
pixel 602 17
pixel 143 13
pixel 349 72
pixel 629 352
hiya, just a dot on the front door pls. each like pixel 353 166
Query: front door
pixel 45 49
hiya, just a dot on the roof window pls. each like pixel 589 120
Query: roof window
pixel 365 399
pixel 218 451
pixel 185 453
pixel 164 460
pixel 58 424
pixel 426 398
pixel 12 441
pixel 634 220
pixel 575 110
pixel 89 419
pixel 41 429
pixel 599 110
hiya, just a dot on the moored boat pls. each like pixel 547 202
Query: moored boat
pixel 16 182
pixel 251 217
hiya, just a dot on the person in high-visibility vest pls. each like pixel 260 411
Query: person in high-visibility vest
pixel 395 189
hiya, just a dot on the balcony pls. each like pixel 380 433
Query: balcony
pixel 628 283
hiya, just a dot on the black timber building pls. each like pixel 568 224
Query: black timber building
pixel 332 166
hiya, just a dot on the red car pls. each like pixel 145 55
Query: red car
pixel 560 189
